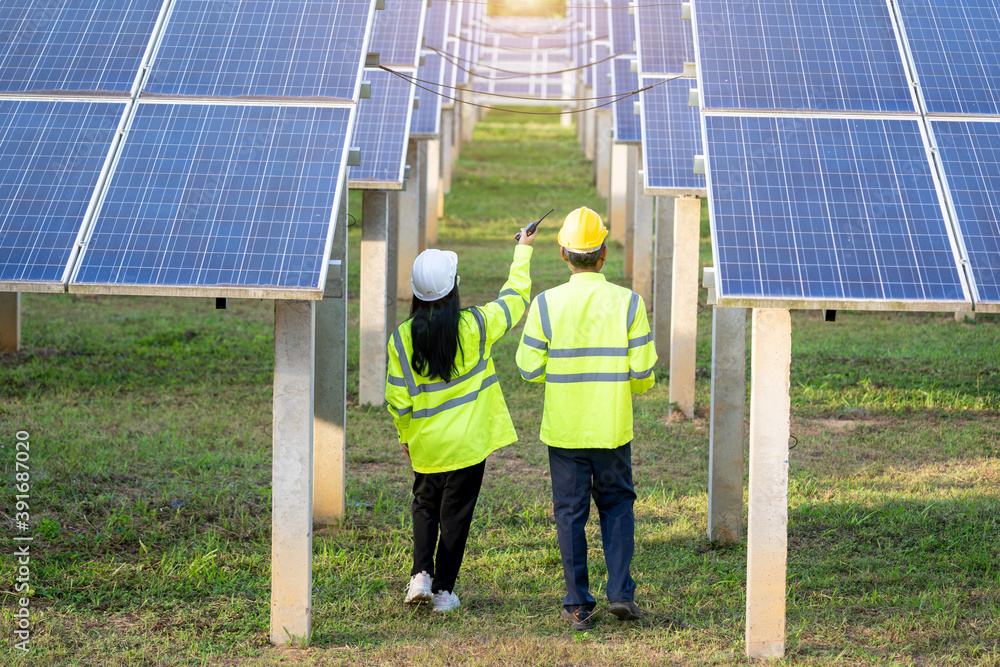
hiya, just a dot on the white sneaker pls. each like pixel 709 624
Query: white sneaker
pixel 419 589
pixel 445 601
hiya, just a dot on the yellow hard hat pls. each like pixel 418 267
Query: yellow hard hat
pixel 582 230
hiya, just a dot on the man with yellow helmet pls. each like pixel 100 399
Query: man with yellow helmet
pixel 589 341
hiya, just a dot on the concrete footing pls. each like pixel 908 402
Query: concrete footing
pixel 727 430
pixel 603 143
pixel 684 303
pixel 291 473
pixel 618 199
pixel 663 275
pixel 642 244
pixel 10 322
pixel 374 295
pixel 767 526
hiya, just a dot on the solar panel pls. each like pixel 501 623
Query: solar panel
pixel 622 27
pixel 52 155
pixel 275 48
pixel 624 118
pixel 436 24
pixel 969 151
pixel 219 199
pixel 664 41
pixel 828 212
pixel 381 131
pixel 397 32
pixel 955 52
pixel 75 45
pixel 821 55
pixel 671 137
pixel 426 121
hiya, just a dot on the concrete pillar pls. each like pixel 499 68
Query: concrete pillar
pixel 663 274
pixel 291 472
pixel 374 296
pixel 632 170
pixel 617 201
pixel 603 143
pixel 468 112
pixel 684 303
pixel 392 263
pixel 642 245
pixel 10 322
pixel 408 217
pixel 727 429
pixel 589 125
pixel 422 182
pixel 447 146
pixel 329 455
pixel 767 526
pixel 432 159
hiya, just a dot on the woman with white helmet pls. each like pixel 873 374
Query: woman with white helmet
pixel 448 408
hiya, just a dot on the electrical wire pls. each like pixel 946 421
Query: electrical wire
pixel 615 98
pixel 453 59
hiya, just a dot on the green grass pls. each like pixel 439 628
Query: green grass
pixel 150 462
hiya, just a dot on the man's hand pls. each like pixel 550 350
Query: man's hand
pixel 526 239
pixel 406 449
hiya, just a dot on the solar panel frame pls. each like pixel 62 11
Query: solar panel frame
pixel 426 120
pixel 624 119
pixel 915 167
pixel 972 189
pixel 184 190
pixel 69 58
pixel 30 240
pixel 671 138
pixel 734 74
pixel 383 126
pixel 260 58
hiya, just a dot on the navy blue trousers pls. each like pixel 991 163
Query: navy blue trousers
pixel 605 474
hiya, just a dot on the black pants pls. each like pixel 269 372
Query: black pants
pixel 445 501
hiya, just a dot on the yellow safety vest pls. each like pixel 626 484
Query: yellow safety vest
pixel 588 340
pixel 456 424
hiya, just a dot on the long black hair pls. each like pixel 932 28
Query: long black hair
pixel 434 332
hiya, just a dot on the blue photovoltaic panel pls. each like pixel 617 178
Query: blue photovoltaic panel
pixel 622 27
pixel 827 209
pixel 397 32
pixel 74 45
pixel 600 18
pixel 664 41
pixel 220 196
pixel 278 48
pixel 626 121
pixel 820 55
pixel 436 24
pixel 382 129
pixel 671 137
pixel 427 116
pixel 52 154
pixel 970 154
pixel 956 49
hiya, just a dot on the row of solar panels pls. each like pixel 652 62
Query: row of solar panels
pixel 853 151
pixel 184 147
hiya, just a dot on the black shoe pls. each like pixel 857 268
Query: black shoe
pixel 626 610
pixel 578 619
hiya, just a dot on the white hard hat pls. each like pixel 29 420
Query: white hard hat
pixel 434 273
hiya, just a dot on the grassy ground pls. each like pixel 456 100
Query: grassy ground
pixel 150 467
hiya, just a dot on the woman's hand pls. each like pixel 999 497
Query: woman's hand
pixel 525 239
